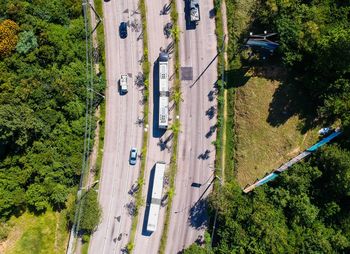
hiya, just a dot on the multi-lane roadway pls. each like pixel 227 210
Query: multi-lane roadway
pixel 122 132
pixel 197 114
pixel 198 120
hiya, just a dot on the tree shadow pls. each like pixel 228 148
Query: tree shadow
pixel 198 216
pixel 289 100
pixel 237 77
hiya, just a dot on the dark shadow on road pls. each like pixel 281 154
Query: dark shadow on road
pixel 198 217
pixel 206 68
pixel 156 132
pixel 148 203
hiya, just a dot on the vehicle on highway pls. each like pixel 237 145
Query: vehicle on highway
pixel 133 156
pixel 156 197
pixel 163 91
pixel 123 30
pixel 123 84
pixel 194 11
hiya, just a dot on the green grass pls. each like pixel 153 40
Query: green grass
pixel 239 18
pixel 102 122
pixel 221 121
pixel 100 35
pixel 32 234
pixel 268 120
pixel 255 145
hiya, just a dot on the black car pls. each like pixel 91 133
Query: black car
pixel 123 30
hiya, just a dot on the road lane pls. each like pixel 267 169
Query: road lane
pixel 121 132
pixel 197 50
pixel 145 243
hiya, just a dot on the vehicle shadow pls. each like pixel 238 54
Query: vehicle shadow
pixel 145 232
pixel 156 132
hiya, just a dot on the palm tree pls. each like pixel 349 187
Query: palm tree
pixel 177 96
pixel 175 127
pixel 175 33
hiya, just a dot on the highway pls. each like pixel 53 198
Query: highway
pixel 144 242
pixel 195 171
pixel 121 131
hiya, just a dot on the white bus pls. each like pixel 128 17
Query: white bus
pixel 163 90
pixel 163 112
pixel 156 197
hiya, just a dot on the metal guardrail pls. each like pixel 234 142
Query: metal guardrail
pixel 296 159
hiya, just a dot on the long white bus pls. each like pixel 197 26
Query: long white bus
pixel 163 90
pixel 156 197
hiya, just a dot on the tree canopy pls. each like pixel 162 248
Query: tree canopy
pixel 304 211
pixel 42 103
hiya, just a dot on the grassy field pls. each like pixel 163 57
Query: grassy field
pixel 36 234
pixel 271 123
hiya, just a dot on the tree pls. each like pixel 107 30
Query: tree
pixel 91 212
pixel 175 127
pixel 27 41
pixel 36 196
pixel 8 36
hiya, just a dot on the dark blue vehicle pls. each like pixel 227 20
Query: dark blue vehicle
pixel 123 30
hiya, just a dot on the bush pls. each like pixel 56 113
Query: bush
pixel 91 212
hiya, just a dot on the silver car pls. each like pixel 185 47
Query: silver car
pixel 133 156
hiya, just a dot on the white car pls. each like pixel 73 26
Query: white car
pixel 123 82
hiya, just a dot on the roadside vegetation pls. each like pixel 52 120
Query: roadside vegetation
pixel 279 104
pixel 145 69
pixel 220 143
pixel 175 127
pixel 42 109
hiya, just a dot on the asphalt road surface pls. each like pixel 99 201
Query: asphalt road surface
pixel 197 115
pixel 121 132
pixel 145 242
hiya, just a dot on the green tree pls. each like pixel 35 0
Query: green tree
pixel 27 41
pixel 91 212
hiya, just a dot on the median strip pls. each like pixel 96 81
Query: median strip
pixel 175 127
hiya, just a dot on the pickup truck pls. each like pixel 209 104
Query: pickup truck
pixel 123 82
pixel 194 11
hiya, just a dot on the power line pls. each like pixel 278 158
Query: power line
pixel 87 132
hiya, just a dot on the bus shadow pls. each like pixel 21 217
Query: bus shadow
pixel 145 232
pixel 156 132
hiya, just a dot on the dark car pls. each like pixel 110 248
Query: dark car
pixel 123 30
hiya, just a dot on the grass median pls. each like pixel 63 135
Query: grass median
pixel 175 128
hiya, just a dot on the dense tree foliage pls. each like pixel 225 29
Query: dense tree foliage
pixel 42 102
pixel 315 41
pixel 91 212
pixel 305 211
pixel 8 36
